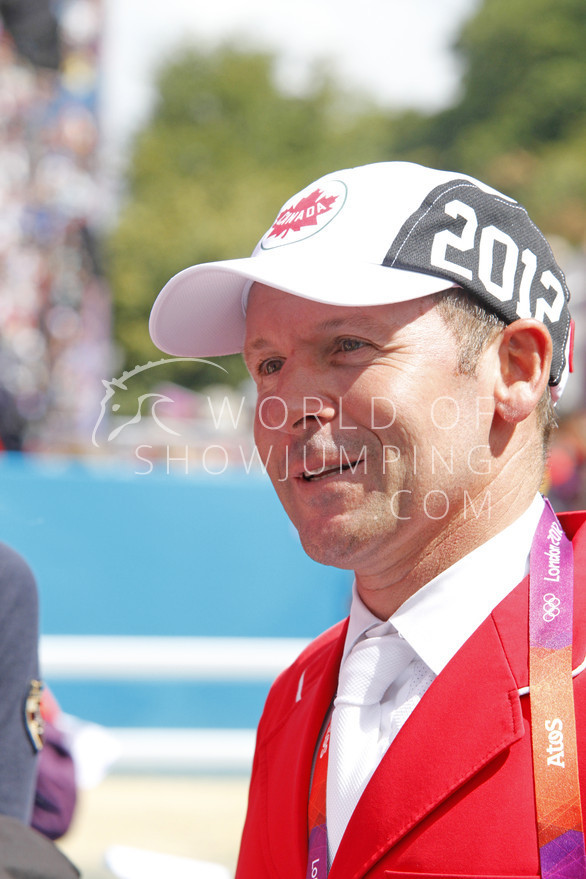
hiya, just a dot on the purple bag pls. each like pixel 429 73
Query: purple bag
pixel 56 790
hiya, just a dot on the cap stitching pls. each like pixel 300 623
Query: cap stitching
pixel 422 217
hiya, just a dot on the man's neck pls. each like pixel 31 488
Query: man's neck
pixel 384 591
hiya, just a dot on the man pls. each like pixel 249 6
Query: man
pixel 407 329
pixel 21 725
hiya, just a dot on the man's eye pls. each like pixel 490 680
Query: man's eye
pixel 268 367
pixel 348 345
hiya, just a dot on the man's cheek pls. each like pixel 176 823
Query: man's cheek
pixel 270 457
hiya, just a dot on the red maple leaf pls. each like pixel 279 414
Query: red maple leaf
pixel 304 213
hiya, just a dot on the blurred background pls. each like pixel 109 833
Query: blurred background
pixel 136 139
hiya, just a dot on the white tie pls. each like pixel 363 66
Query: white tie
pixel 366 674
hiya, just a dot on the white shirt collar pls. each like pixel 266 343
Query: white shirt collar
pixel 442 615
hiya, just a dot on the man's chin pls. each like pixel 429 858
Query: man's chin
pixel 329 556
pixel 331 544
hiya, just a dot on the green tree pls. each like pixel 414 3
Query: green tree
pixel 223 150
pixel 520 120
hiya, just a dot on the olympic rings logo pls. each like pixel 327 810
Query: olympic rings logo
pixel 551 607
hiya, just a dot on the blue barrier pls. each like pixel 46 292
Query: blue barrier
pixel 116 553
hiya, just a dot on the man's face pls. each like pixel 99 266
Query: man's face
pixel 374 442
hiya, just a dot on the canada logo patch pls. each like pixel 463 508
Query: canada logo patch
pixel 306 214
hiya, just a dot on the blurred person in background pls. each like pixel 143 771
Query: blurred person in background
pixel 21 724
pixel 20 687
pixel 408 331
pixel 12 424
pixel 37 774
pixel 56 787
pixel 566 472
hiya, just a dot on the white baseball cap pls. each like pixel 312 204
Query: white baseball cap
pixel 375 234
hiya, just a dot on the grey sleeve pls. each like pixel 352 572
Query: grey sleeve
pixel 18 673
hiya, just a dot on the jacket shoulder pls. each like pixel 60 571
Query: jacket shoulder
pixel 573 522
pixel 323 642
pixel 288 686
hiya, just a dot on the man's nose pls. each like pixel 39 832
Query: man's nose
pixel 298 405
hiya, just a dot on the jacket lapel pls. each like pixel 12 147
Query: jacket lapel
pixel 289 758
pixel 470 714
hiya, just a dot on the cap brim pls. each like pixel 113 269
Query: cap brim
pixel 200 311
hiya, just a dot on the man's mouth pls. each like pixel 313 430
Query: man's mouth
pixel 323 473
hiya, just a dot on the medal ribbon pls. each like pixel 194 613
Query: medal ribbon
pixel 553 725
pixel 317 860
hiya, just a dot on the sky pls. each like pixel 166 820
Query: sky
pixel 396 51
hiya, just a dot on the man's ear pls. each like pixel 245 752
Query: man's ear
pixel 525 356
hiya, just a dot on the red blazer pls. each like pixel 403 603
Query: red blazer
pixel 453 795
